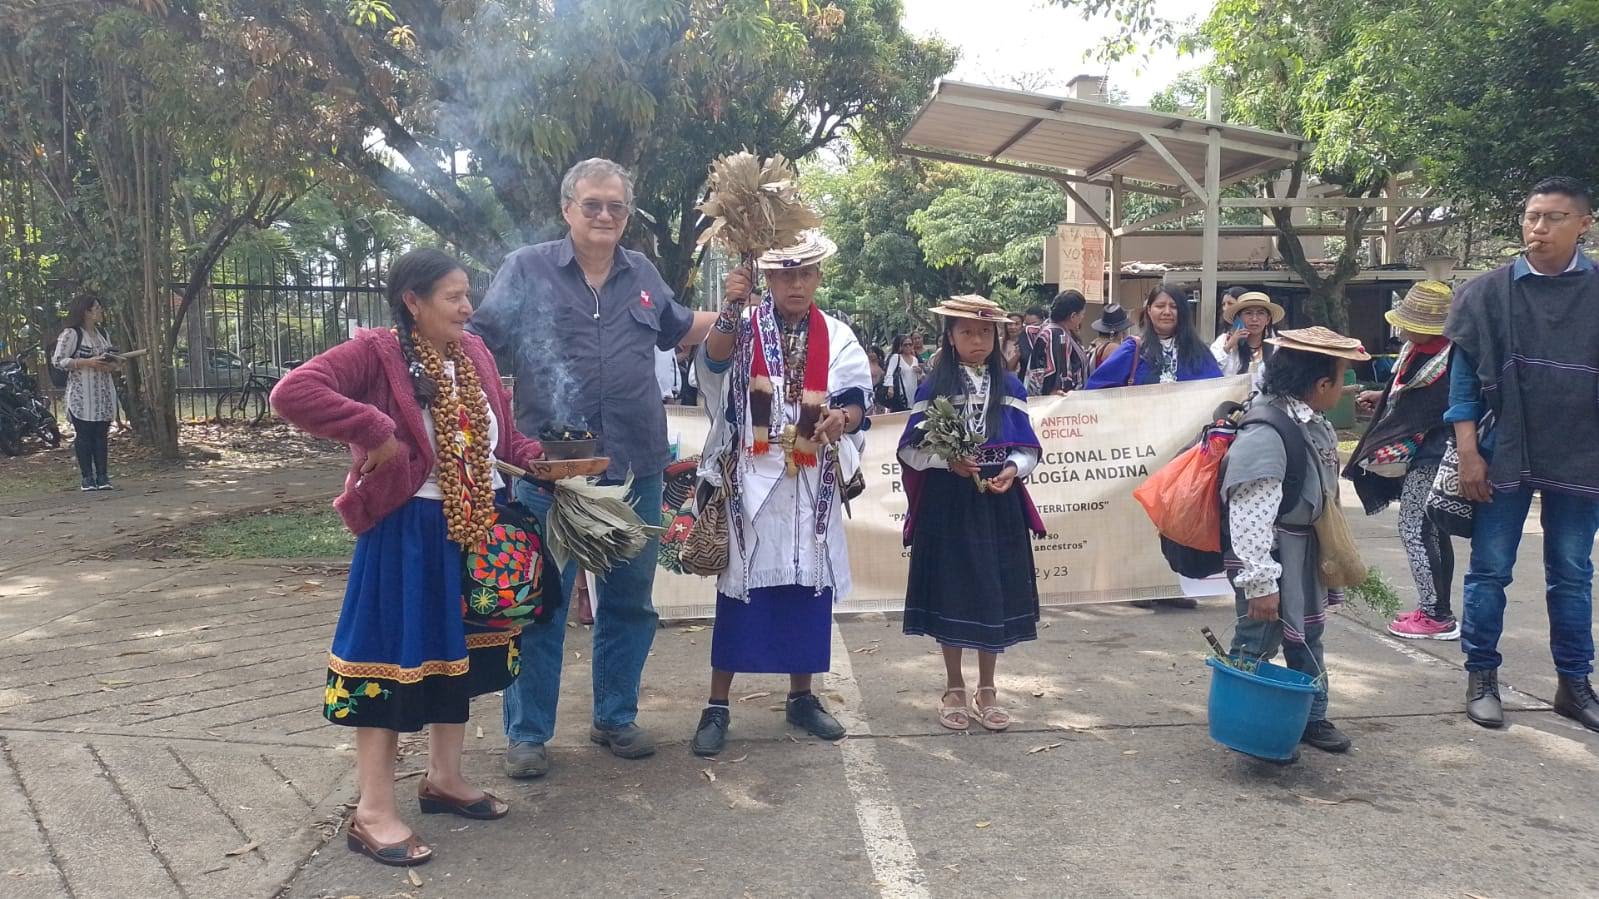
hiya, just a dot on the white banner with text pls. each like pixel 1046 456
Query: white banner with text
pixel 1100 547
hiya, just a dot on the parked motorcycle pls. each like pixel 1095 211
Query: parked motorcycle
pixel 24 413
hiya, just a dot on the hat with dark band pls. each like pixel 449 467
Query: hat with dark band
pixel 1254 299
pixel 1114 320
pixel 812 248
pixel 971 306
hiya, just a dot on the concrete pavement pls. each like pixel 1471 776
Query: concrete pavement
pixel 160 736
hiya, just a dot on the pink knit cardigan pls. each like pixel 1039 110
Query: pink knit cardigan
pixel 359 393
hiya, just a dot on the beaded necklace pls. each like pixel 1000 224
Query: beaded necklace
pixel 461 422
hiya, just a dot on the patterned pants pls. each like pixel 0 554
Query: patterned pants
pixel 1432 556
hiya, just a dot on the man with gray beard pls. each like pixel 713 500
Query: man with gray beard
pixel 577 322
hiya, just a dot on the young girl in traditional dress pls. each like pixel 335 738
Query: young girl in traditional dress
pixel 971 578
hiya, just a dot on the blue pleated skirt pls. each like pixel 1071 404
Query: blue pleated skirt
pixel 781 630
pixel 402 657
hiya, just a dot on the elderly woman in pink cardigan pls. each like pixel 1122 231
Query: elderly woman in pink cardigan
pixel 423 411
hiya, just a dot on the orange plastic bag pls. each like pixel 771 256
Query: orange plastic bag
pixel 1183 497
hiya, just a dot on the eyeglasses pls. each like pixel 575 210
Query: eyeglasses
pixel 592 208
pixel 1531 219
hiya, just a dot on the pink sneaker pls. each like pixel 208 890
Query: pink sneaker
pixel 1415 625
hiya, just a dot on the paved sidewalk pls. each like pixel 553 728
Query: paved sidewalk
pixel 160 736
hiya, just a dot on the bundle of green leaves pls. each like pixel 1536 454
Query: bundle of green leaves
pixel 946 435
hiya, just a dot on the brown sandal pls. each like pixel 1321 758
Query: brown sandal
pixel 404 854
pixel 432 802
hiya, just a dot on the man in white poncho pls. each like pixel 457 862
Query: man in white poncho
pixel 786 387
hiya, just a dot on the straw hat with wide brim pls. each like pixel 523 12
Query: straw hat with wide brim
pixel 1254 299
pixel 812 248
pixel 973 307
pixel 1424 309
pixel 1320 340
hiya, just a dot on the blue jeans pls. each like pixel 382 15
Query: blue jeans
pixel 1569 525
pixel 624 630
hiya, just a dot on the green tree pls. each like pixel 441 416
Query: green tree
pixel 1341 73
pixel 123 131
pixel 480 108
pixel 993 222
pixel 1508 102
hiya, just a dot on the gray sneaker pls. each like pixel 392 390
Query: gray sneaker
pixel 526 760
pixel 626 742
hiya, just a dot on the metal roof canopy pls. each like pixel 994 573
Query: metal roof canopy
pixel 1076 141
pixel 1084 140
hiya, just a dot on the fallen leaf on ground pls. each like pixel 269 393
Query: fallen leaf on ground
pixel 113 682
pixel 731 761
pixel 983 824
pixel 1044 748
pixel 404 774
pixel 415 878
pixel 247 847
pixel 761 695
pixel 692 629
pixel 309 587
pixel 709 775
pixel 953 868
pixel 480 731
pixel 866 649
pixel 1129 752
pixel 1038 694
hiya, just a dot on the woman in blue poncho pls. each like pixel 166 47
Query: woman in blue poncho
pixel 1168 349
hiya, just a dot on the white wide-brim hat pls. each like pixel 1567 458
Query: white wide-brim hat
pixel 812 248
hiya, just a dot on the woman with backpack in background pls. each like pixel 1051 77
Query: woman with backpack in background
pixel 1168 349
pixel 1398 457
pixel 82 352
pixel 1281 595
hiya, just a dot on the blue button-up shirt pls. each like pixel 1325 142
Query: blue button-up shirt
pixel 1465 389
pixel 585 357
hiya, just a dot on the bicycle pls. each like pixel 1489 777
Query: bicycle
pixel 250 401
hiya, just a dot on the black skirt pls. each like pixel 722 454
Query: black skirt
pixel 972 582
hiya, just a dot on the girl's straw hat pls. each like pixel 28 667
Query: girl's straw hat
pixel 1254 299
pixel 971 306
pixel 1320 340
pixel 1424 309
pixel 812 248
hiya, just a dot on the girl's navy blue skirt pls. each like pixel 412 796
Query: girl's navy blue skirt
pixel 402 658
pixel 971 577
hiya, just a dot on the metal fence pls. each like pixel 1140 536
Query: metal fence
pixel 261 318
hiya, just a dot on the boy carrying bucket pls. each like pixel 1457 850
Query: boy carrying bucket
pixel 1276 564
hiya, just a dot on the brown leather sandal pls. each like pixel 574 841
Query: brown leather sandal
pixel 432 802
pixel 404 854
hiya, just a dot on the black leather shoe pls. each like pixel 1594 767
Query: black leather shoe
pixel 710 737
pixel 1325 736
pixel 1482 698
pixel 807 712
pixel 1574 698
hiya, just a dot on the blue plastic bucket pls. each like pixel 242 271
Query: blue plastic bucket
pixel 1262 714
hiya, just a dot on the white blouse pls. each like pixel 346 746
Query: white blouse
pixel 91 395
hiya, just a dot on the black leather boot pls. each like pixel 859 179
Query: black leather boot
pixel 1482 698
pixel 1574 699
